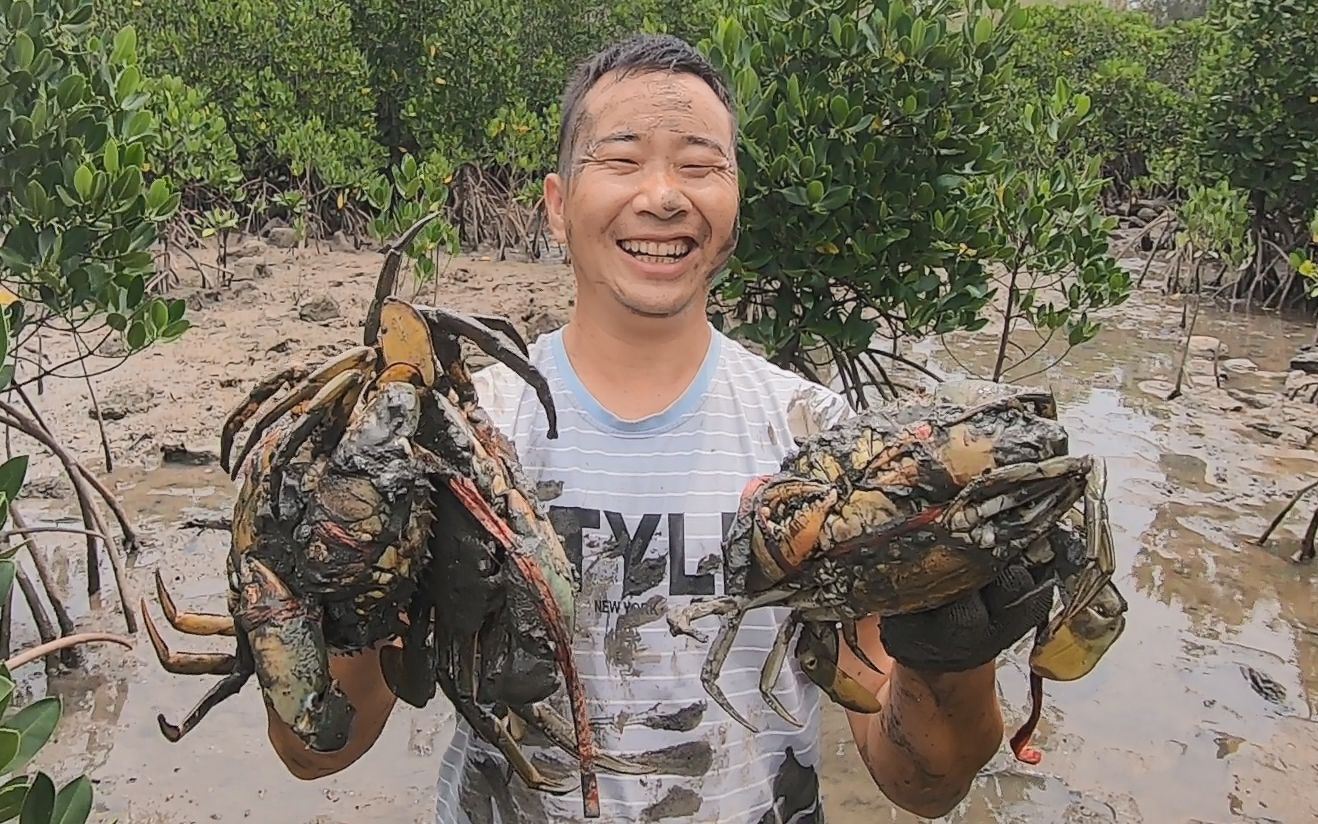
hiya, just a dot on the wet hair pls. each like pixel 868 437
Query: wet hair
pixel 637 54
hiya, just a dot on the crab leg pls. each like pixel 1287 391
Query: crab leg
pixel 556 623
pixel 356 359
pixel 185 663
pixel 192 623
pixel 852 640
pixel 496 732
pixel 1020 741
pixel 341 387
pixel 559 731
pixel 259 395
pixel 384 284
pixel 502 324
pixel 773 665
pixel 494 344
pixel 227 687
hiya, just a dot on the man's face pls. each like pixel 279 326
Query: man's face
pixel 650 208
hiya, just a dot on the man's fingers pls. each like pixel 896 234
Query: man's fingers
pixel 1012 583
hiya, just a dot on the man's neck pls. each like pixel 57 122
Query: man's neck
pixel 637 367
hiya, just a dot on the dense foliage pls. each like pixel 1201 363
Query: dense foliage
pixel 327 99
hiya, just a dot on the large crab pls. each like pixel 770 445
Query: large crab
pixel 905 509
pixel 378 501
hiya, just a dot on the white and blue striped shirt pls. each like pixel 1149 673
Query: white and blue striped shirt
pixel 642 510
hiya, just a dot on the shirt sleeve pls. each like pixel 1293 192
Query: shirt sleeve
pixel 814 408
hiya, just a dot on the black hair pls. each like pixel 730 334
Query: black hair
pixel 634 55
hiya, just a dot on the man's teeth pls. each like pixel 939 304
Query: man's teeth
pixel 650 248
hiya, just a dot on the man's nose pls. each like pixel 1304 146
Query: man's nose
pixel 660 195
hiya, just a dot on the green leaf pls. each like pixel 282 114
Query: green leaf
pixel 73 804
pixel 36 722
pixel 20 14
pixel 9 740
pixel 82 182
pixel 125 44
pixel 136 336
pixel 12 473
pixel 22 50
pixel 814 191
pixel 983 30
pixel 8 570
pixel 128 83
pixel 6 693
pixel 39 805
pixel 11 797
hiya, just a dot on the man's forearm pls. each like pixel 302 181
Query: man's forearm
pixel 934 733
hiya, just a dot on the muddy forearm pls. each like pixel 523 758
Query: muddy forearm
pixel 934 733
pixel 360 679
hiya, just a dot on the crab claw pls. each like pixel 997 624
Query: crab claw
pixel 785 520
pixel 496 344
pixel 292 663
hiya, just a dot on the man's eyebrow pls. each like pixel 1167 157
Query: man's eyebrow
pixel 615 137
pixel 709 143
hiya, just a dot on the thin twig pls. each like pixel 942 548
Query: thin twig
pixel 131 542
pixel 29 655
pixel 1185 351
pixel 38 557
pixel 91 515
pixel 96 407
pixel 1295 499
pixel 34 529
pixel 38 610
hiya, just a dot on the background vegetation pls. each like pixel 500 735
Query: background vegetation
pixel 888 133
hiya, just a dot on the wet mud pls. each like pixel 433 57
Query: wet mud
pixel 1204 710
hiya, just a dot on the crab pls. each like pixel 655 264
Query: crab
pixel 368 493
pixel 904 509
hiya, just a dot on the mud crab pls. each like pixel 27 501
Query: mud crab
pixel 378 501
pixel 908 508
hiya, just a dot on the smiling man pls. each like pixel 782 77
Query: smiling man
pixel 662 422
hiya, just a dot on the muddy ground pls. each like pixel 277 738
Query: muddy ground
pixel 1202 713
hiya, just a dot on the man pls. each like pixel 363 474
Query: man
pixel 662 421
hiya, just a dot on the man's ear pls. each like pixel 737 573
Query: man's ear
pixel 555 193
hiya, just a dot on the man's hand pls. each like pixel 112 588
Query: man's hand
pixel 940 722
pixel 970 632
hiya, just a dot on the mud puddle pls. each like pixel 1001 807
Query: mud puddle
pixel 1203 711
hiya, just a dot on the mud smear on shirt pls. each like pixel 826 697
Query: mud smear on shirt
pixel 795 793
pixel 487 791
pixel 690 759
pixel 623 641
pixel 547 491
pixel 685 719
pixel 709 565
pixel 680 802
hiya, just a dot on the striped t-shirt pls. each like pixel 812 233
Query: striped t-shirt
pixel 642 507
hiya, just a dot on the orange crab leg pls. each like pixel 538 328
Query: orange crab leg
pixel 476 504
pixel 1020 741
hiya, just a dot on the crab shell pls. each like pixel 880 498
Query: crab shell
pixel 859 488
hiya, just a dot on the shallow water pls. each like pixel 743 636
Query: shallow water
pixel 1201 712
